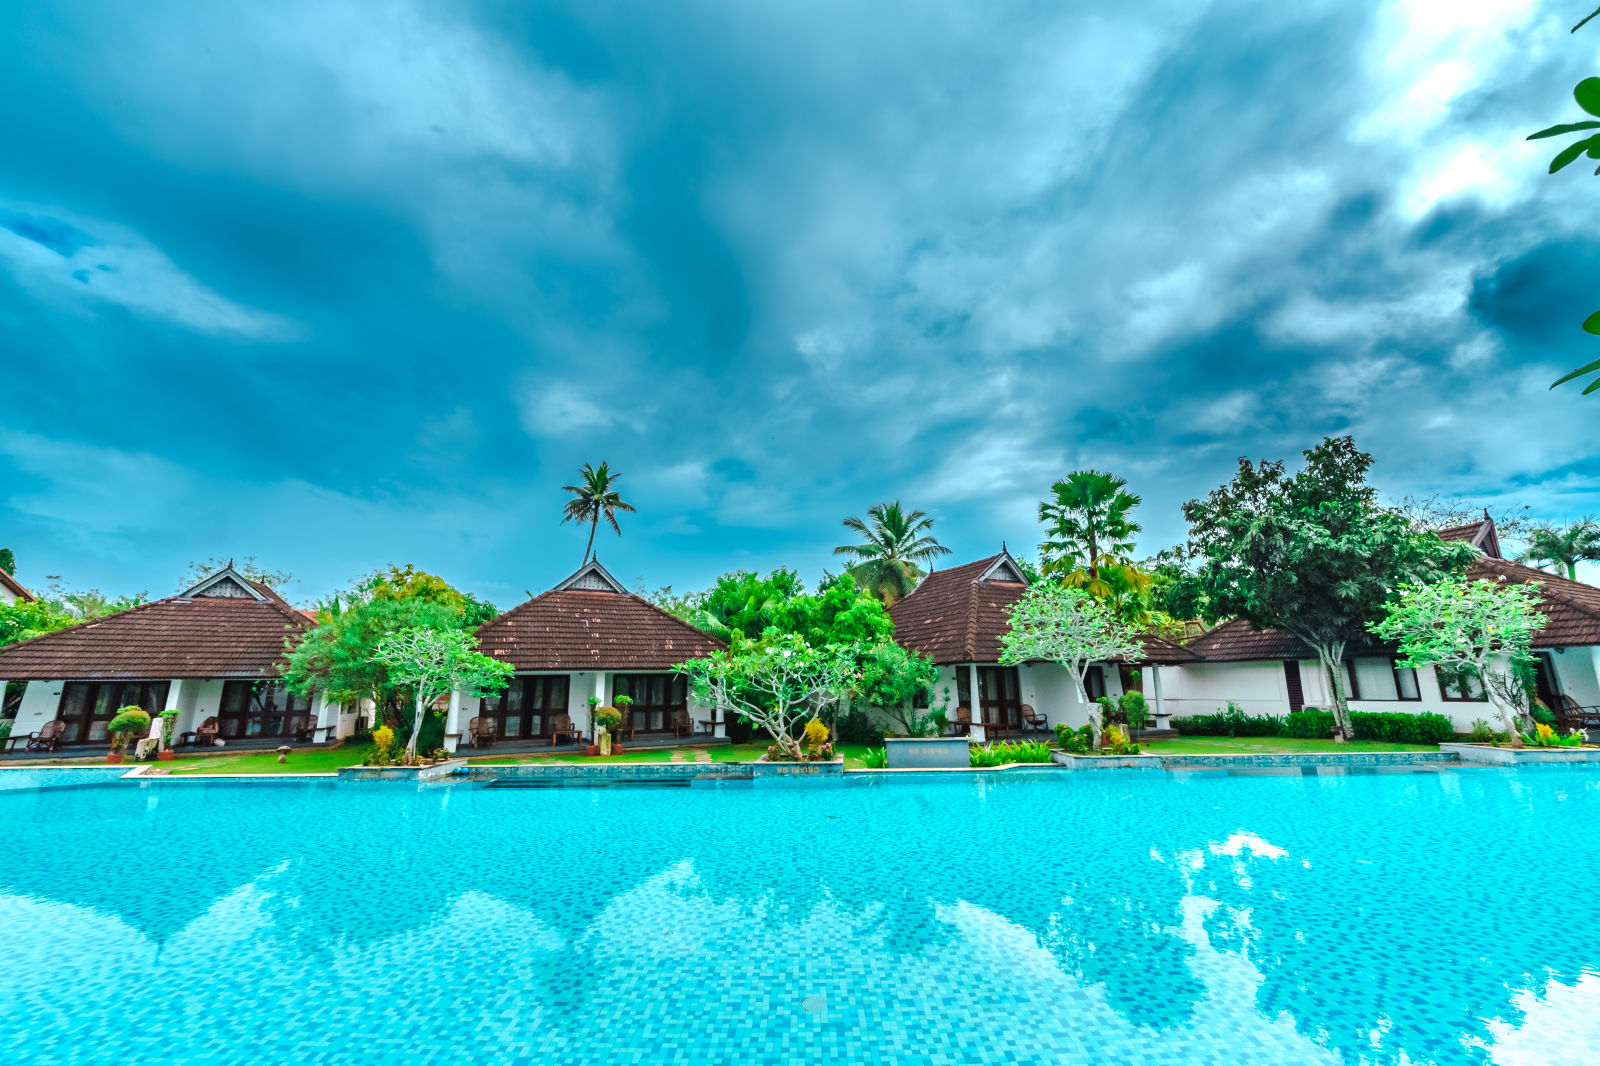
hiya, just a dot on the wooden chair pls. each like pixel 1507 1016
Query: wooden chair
pixel 561 726
pixel 204 737
pixel 682 724
pixel 482 731
pixel 962 726
pixel 309 731
pixel 1032 719
pixel 47 737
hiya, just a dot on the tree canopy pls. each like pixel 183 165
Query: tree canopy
pixel 1311 552
pixel 594 497
pixel 1565 547
pixel 1065 625
pixel 433 662
pixel 895 547
pixel 58 607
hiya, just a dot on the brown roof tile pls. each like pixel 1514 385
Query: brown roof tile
pixel 16 587
pixel 170 638
pixel 592 629
pixel 954 617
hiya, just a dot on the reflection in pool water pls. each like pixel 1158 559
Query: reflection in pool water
pixel 1035 917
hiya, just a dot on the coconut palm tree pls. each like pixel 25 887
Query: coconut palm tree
pixel 593 498
pixel 1579 542
pixel 1087 529
pixel 895 546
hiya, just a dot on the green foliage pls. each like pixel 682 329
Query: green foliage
pixel 1543 736
pixel 1309 724
pixel 1176 591
pixel 1078 741
pixel 8 561
pixel 607 717
pixel 1088 527
pixel 895 546
pixel 682 606
pixel 593 498
pixel 1312 553
pixel 435 662
pixel 856 726
pixel 248 568
pixel 775 683
pixel 1565 548
pixel 128 721
pixel 1004 753
pixel 169 723
pixel 1135 711
pixel 1230 722
pixel 1403 728
pixel 744 604
pixel 1067 626
pixel 875 758
pixel 1116 742
pixel 1481 733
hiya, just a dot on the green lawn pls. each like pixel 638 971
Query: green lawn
pixel 1268 746
pixel 315 760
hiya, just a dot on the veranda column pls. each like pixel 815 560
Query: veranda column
pixel 600 693
pixel 978 732
pixel 1159 703
pixel 453 721
pixel 175 703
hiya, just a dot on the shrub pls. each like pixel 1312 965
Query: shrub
pixel 608 717
pixel 1009 752
pixel 1232 722
pixel 1481 733
pixel 1135 711
pixel 169 722
pixel 1109 710
pixel 1309 724
pixel 1401 728
pixel 876 759
pixel 816 734
pixel 857 727
pixel 1543 715
pixel 129 720
pixel 1117 744
pixel 1078 741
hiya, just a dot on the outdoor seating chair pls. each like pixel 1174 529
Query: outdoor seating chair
pixel 682 724
pixel 561 726
pixel 204 737
pixel 309 731
pixel 482 731
pixel 1034 720
pixel 962 725
pixel 47 736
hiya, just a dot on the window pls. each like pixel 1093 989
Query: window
pixel 1380 680
pixel 86 706
pixel 656 698
pixel 526 707
pixel 1460 688
pixel 261 709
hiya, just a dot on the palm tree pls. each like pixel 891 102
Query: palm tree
pixel 1579 542
pixel 1088 529
pixel 895 545
pixel 594 498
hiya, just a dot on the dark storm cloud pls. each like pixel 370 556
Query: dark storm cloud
pixel 367 284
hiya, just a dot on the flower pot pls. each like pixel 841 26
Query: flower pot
pixel 165 755
pixel 591 750
pixel 616 749
pixel 115 757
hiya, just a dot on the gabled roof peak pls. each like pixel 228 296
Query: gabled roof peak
pixel 593 577
pixel 1003 568
pixel 225 584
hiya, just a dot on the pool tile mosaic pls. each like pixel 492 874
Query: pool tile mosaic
pixel 1029 917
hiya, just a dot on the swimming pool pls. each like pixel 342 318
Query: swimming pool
pixel 1028 917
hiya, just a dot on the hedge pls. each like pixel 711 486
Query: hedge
pixel 1312 724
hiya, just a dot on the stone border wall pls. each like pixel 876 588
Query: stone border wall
pixel 1257 761
pixel 1488 755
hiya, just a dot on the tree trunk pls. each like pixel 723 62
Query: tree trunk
pixel 594 525
pixel 416 729
pixel 1093 708
pixel 1332 657
pixel 1508 711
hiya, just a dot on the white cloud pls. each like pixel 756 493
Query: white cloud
pixel 552 408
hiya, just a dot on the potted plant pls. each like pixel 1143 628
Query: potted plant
pixel 593 747
pixel 129 720
pixel 605 720
pixel 169 725
pixel 624 709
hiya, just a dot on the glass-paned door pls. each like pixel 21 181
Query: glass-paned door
pixel 261 709
pixel 999 694
pixel 528 706
pixel 86 706
pixel 656 699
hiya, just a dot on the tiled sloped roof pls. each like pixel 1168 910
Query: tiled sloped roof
pixel 16 587
pixel 170 638
pixel 1571 608
pixel 592 629
pixel 954 617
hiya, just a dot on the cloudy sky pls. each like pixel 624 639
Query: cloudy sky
pixel 340 284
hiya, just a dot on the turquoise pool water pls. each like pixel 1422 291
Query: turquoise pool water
pixel 1036 917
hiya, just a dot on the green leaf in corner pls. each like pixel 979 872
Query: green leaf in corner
pixel 1592 324
pixel 1578 373
pixel 1569 153
pixel 1587 93
pixel 1565 127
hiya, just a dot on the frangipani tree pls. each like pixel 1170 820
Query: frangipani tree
pixel 1479 629
pixel 1068 626
pixel 775 683
pixel 435 662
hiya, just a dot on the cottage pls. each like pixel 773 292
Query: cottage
pixel 958 616
pixel 1273 672
pixel 213 652
pixel 11 590
pixel 588 637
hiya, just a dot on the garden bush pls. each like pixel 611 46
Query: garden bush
pixel 1401 728
pixel 1078 741
pixel 1009 752
pixel 1309 724
pixel 856 727
pixel 1231 722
